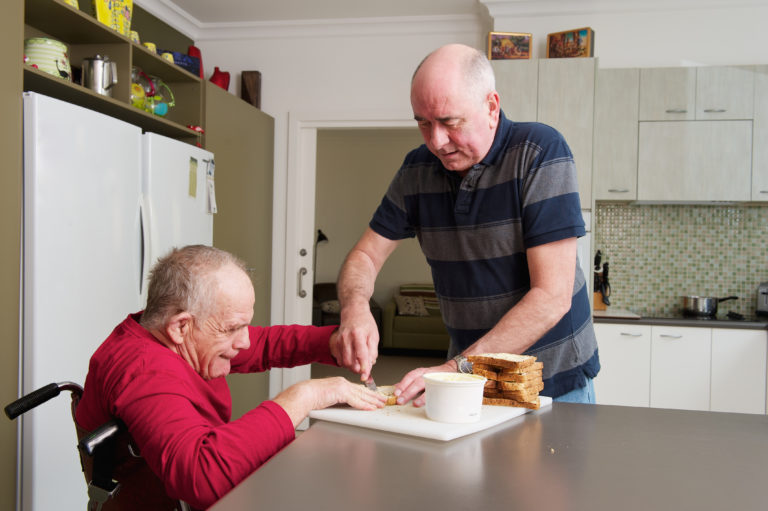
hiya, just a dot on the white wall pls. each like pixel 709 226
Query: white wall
pixel 366 65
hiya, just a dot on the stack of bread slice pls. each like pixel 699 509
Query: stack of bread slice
pixel 513 380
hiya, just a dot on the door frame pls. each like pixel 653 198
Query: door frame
pixel 300 218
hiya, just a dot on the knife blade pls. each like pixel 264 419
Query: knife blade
pixel 371 384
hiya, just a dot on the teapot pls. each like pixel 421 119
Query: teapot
pixel 99 74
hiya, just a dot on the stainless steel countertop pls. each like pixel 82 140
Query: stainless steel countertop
pixel 570 457
pixel 758 324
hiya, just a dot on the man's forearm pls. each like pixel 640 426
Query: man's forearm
pixel 522 325
pixel 356 280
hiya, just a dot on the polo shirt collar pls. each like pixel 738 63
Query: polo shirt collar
pixel 498 140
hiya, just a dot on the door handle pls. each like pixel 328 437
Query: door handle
pixel 301 292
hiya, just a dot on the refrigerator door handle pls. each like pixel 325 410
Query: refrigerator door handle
pixel 143 247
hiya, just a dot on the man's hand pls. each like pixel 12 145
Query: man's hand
pixel 413 383
pixel 303 397
pixel 355 344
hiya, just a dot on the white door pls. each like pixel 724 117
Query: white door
pixel 81 274
pixel 299 212
pixel 174 185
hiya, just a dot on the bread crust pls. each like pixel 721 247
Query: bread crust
pixel 503 360
pixel 532 405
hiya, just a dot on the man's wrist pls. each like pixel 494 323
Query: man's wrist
pixel 462 364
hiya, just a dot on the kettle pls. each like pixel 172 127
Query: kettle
pixel 99 74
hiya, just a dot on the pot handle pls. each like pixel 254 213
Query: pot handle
pixel 728 298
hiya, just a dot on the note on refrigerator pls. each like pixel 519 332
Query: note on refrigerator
pixel 192 177
pixel 210 186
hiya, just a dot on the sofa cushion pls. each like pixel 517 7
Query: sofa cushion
pixel 331 307
pixel 410 306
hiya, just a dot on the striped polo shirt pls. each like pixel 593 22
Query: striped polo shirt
pixel 474 232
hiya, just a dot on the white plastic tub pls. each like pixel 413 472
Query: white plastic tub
pixel 454 397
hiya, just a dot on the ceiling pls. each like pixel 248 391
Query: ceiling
pixel 245 11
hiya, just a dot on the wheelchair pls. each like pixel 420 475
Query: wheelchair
pixel 105 454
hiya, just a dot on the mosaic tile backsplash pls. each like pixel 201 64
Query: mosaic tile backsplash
pixel 659 252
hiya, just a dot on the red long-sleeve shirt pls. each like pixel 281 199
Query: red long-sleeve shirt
pixel 181 422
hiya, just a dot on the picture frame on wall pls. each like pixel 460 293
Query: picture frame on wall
pixel 579 42
pixel 509 45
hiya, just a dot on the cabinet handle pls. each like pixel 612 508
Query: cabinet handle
pixel 668 336
pixel 677 111
pixel 714 110
pixel 626 334
pixel 618 190
pixel 763 191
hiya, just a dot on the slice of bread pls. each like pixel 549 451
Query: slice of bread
pixel 536 366
pixel 528 377
pixel 481 370
pixel 529 386
pixel 533 404
pixel 503 360
pixel 389 391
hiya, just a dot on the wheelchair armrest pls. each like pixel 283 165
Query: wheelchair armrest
pixel 106 431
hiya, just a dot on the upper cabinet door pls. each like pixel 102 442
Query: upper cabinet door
pixel 668 94
pixel 517 82
pixel 566 102
pixel 724 92
pixel 760 135
pixel 615 153
pixel 694 161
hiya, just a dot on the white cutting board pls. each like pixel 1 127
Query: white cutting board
pixel 409 420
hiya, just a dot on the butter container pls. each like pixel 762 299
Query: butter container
pixel 454 397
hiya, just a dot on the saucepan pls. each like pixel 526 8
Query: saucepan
pixel 694 305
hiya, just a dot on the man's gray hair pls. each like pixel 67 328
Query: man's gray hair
pixel 184 280
pixel 477 71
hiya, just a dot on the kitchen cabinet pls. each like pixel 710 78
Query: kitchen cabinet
pixel 680 367
pixel 11 40
pixel 696 368
pixel 85 37
pixel 616 134
pixel 694 161
pixel 566 102
pixel 625 364
pixel 701 93
pixel 759 136
pixel 517 82
pixel 557 92
pixel 667 94
pixel 738 371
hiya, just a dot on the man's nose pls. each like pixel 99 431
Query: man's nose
pixel 438 136
pixel 242 341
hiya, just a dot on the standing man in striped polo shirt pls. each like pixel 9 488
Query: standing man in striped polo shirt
pixel 495 207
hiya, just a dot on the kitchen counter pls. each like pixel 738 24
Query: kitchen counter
pixel 756 323
pixel 571 457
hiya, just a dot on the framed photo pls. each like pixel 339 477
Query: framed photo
pixel 579 42
pixel 509 45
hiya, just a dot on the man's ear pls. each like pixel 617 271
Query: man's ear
pixel 178 327
pixel 494 107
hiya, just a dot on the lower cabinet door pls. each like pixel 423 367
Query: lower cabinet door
pixel 625 360
pixel 738 370
pixel 680 367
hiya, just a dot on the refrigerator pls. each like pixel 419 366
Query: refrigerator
pixel 102 201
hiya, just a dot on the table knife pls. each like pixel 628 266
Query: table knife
pixel 371 384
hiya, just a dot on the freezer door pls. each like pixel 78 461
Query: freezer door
pixel 81 273
pixel 175 196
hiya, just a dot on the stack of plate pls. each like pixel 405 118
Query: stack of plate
pixel 48 55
